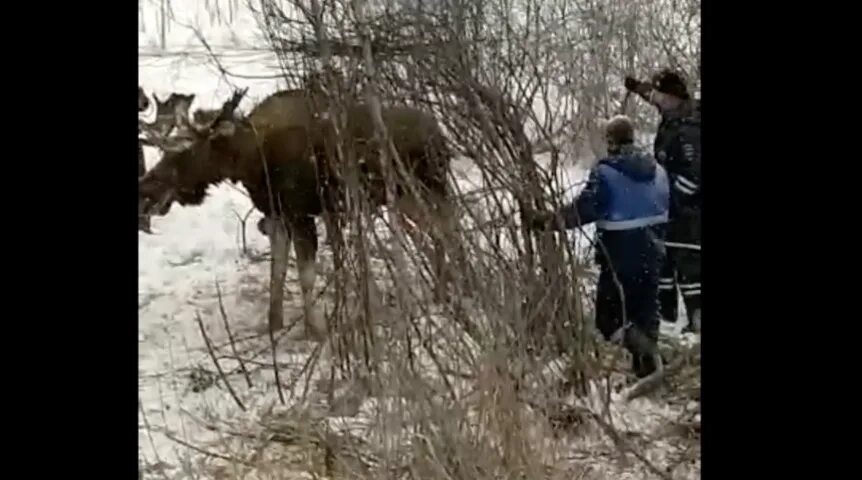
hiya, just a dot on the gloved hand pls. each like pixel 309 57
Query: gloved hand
pixel 541 220
pixel 632 84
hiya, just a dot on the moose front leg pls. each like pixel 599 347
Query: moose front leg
pixel 305 246
pixel 279 239
pixel 431 242
pixel 446 243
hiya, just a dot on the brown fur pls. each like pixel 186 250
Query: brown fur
pixel 205 116
pixel 286 132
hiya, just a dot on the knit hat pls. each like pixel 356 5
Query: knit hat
pixel 620 130
pixel 671 82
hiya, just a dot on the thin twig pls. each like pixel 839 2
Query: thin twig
pixel 315 356
pixel 230 336
pixel 150 436
pixel 200 450
pixel 273 344
pixel 306 366
pixel 215 361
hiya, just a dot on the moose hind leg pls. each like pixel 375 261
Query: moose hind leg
pixel 305 246
pixel 279 239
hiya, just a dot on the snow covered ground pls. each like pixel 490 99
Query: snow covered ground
pixel 196 249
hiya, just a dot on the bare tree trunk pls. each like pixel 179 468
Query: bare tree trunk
pixel 163 27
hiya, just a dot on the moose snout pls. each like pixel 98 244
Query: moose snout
pixel 147 191
pixel 154 198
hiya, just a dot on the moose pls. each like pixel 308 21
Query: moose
pixel 282 154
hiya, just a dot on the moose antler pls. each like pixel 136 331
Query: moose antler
pixel 184 124
pixel 229 106
pixel 187 128
pixel 169 113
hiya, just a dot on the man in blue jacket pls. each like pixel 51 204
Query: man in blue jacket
pixel 627 196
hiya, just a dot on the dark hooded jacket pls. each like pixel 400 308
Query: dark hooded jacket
pixel 627 196
pixel 677 148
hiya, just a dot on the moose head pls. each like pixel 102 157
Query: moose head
pixel 187 168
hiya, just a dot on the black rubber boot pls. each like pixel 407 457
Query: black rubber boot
pixel 693 325
pixel 642 349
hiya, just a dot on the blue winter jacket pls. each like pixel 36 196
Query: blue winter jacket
pixel 627 196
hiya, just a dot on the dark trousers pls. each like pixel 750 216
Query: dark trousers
pixel 681 270
pixel 640 296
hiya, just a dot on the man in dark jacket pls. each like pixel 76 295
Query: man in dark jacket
pixel 677 148
pixel 627 196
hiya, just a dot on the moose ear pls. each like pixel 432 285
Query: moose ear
pixel 225 128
